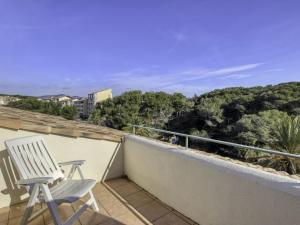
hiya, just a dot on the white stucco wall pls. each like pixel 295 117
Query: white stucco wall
pixel 209 190
pixel 104 159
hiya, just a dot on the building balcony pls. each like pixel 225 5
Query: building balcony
pixel 144 181
pixel 120 202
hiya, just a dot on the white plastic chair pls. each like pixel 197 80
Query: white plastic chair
pixel 45 181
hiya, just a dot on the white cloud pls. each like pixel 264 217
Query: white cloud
pixel 273 70
pixel 196 74
pixel 236 76
pixel 235 69
pixel 186 81
pixel 189 81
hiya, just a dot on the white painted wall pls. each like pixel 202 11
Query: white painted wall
pixel 104 159
pixel 211 191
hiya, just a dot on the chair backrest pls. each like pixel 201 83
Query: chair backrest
pixel 32 159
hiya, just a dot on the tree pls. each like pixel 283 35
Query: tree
pixel 241 115
pixel 69 112
pixel 134 107
pixel 289 140
pixel 258 129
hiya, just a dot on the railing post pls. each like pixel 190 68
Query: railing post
pixel 252 148
pixel 186 142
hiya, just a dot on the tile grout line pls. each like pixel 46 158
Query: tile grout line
pixel 131 208
pixel 123 184
pixel 155 199
pixel 8 214
pixel 185 218
pixel 162 216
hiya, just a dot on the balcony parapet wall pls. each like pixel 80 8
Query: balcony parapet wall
pixel 211 190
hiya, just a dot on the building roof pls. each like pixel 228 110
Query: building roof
pixel 105 89
pixel 17 119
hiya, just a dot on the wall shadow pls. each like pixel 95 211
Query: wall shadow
pixel 115 166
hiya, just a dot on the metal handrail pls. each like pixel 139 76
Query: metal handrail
pixel 187 136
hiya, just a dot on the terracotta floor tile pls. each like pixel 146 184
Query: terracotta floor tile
pixel 64 210
pixel 4 214
pixel 138 199
pixel 17 210
pixel 129 219
pixel 102 210
pixel 99 187
pixel 108 200
pixel 113 210
pixel 165 205
pixel 150 195
pixel 16 220
pixel 111 221
pixel 76 223
pixel 117 209
pixel 153 211
pixel 117 182
pixel 127 189
pixel 103 194
pixel 170 219
pixel 93 218
pixel 186 219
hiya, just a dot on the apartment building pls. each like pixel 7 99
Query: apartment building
pixel 84 106
pixel 96 97
pixel 4 100
pixel 56 98
pixel 81 106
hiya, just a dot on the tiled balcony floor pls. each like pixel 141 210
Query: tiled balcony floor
pixel 120 201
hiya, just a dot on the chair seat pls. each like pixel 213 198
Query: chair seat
pixel 71 190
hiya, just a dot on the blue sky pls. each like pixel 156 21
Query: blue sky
pixel 75 47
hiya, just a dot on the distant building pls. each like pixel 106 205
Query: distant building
pixel 96 97
pixel 54 98
pixel 5 99
pixel 84 106
pixel 63 99
pixel 81 106
pixel 68 102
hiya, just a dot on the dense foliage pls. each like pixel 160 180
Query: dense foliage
pixel 151 108
pixel 257 116
pixel 69 112
pixel 242 115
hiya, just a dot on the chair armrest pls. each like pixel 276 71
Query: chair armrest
pixel 74 162
pixel 37 180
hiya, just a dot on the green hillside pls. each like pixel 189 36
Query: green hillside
pixel 242 115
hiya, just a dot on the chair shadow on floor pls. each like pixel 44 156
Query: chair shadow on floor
pixel 10 177
pixel 18 199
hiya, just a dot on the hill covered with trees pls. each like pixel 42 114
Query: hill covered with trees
pixel 52 108
pixel 242 115
pixel 256 116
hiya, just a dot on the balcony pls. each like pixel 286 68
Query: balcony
pixel 143 181
pixel 120 201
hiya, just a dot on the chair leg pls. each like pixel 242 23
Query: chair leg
pixel 51 204
pixel 30 204
pixel 54 212
pixel 26 215
pixel 94 202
